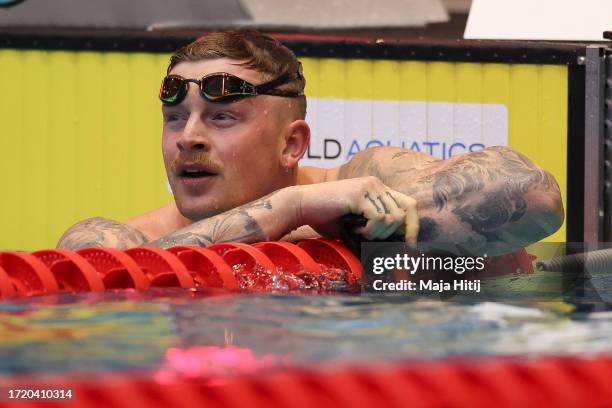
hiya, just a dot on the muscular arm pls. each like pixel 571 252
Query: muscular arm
pixel 272 217
pixel 494 200
pixel 266 218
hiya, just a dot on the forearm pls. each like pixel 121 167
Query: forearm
pixel 494 200
pixel 268 218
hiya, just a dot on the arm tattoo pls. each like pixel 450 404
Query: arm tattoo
pixel 506 167
pixel 373 201
pixel 485 192
pixel 237 225
pixel 361 165
pixel 429 229
pixel 101 232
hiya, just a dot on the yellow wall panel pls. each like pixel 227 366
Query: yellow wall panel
pixel 359 82
pixel 332 78
pixel 80 135
pixel 33 149
pixel 496 83
pixel 386 80
pixel 469 83
pixel 413 80
pixel 89 172
pixel 311 66
pixel 11 168
pixel 552 149
pixel 441 82
pixel 64 155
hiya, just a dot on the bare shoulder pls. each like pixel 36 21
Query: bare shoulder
pixel 312 175
pixel 159 222
pixel 383 162
pixel 101 232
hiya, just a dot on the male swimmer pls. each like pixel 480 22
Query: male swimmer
pixel 234 131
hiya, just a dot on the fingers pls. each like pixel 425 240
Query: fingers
pixel 388 212
pixel 411 217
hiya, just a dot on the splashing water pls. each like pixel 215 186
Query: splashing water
pixel 328 279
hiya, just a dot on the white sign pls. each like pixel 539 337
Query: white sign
pixel 584 20
pixel 343 127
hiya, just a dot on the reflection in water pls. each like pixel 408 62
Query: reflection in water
pixel 170 332
pixel 216 363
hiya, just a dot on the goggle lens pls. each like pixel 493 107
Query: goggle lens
pixel 224 87
pixel 171 90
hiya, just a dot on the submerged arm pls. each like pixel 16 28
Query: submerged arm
pixel 494 200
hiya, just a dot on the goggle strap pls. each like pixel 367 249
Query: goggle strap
pixel 278 92
pixel 283 79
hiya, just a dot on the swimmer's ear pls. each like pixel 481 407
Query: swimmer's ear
pixel 296 142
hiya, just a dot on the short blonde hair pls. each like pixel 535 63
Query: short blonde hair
pixel 259 52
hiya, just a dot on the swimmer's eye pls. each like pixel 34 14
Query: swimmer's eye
pixel 171 117
pixel 222 116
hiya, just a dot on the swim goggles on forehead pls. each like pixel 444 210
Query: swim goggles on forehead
pixel 222 87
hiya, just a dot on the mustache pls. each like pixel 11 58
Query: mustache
pixel 193 158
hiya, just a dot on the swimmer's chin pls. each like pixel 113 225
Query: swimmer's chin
pixel 195 214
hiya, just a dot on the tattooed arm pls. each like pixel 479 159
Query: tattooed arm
pixel 271 217
pixel 491 201
pixel 241 224
pixel 101 232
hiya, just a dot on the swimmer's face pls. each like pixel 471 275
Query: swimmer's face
pixel 219 156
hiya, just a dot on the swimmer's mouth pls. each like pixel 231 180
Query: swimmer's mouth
pixel 195 173
pixel 192 171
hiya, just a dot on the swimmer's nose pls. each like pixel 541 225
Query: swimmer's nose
pixel 193 136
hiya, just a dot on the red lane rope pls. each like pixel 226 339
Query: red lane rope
pixel 477 383
pixel 232 266
pixel 207 267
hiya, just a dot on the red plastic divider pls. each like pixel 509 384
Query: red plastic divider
pixel 477 383
pixel 311 264
pixel 290 257
pixel 207 267
pixel 333 254
pixel 248 264
pixel 242 256
pixel 116 268
pixel 6 285
pixel 28 274
pixel 161 267
pixel 71 270
pixel 518 262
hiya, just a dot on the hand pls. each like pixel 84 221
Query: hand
pixel 387 211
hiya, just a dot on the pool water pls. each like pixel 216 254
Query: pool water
pixel 205 333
